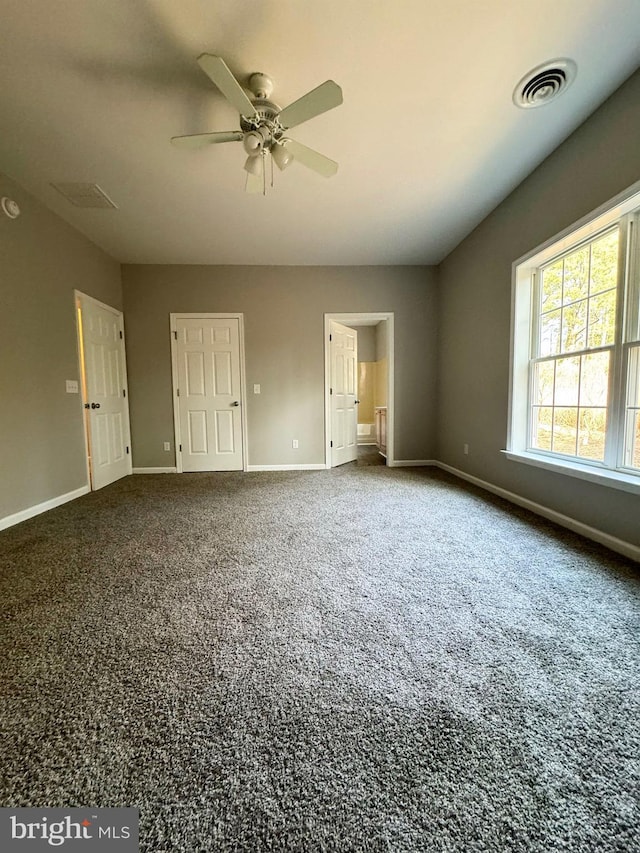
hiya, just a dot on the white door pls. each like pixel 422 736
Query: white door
pixel 208 393
pixel 104 391
pixel 343 348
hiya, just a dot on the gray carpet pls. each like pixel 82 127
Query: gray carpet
pixel 365 659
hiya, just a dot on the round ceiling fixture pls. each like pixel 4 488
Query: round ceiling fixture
pixel 10 207
pixel 544 83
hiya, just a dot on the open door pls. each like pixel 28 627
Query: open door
pixel 104 390
pixel 343 347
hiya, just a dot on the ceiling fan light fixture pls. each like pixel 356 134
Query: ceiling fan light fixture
pixel 254 164
pixel 282 157
pixel 253 142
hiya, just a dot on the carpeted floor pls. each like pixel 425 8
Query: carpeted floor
pixel 364 659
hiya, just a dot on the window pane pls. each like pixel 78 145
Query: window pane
pixel 567 382
pixel 602 319
pixel 594 382
pixel 574 327
pixel 551 289
pixel 565 431
pixel 592 427
pixel 541 427
pixel 550 333
pixel 544 383
pixel 576 276
pixel 604 262
pixel 577 297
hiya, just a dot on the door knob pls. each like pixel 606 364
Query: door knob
pixel 235 403
pixel 95 405
pixel 356 401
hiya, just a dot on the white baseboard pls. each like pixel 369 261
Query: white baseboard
pixel 24 514
pixel 313 467
pixel 154 470
pixel 627 549
pixel 411 463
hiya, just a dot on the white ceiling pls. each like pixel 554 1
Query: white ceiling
pixel 428 139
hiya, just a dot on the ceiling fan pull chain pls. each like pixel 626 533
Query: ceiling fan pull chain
pixel 271 161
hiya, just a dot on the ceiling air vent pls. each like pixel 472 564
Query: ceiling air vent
pixel 544 83
pixel 85 195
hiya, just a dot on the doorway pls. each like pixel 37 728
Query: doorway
pixel 379 433
pixel 103 375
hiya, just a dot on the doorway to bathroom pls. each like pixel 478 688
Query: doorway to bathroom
pixel 374 374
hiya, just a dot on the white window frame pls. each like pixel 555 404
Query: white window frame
pixel 613 472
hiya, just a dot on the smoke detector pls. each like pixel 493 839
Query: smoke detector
pixel 10 207
pixel 544 83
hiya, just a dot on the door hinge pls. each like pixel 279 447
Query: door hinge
pixel 330 337
pixel 127 449
pixel 177 392
pixel 331 391
pixel 121 335
pixel 124 392
pixel 180 448
pixel 175 335
pixel 330 444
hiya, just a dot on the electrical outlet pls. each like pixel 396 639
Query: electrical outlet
pixel 256 389
pixel 295 443
pixel 465 448
pixel 167 445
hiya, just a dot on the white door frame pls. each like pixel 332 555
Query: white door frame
pixel 203 315
pixel 78 298
pixel 355 319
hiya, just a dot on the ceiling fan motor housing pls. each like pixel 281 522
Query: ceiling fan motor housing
pixel 263 123
pixel 266 111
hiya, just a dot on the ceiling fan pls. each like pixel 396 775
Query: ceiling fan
pixel 263 124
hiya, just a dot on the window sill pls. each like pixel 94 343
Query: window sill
pixel 613 479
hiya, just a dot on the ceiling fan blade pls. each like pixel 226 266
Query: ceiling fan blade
pixel 217 70
pixel 198 140
pixel 325 97
pixel 311 159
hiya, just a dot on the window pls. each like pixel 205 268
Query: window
pixel 575 395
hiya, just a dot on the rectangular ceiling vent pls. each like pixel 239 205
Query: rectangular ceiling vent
pixel 85 195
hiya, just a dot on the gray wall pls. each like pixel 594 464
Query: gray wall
pixel 42 450
pixel 382 340
pixel 599 160
pixel 284 323
pixel 366 343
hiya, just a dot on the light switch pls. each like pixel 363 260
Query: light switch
pixel 72 386
pixel 256 389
